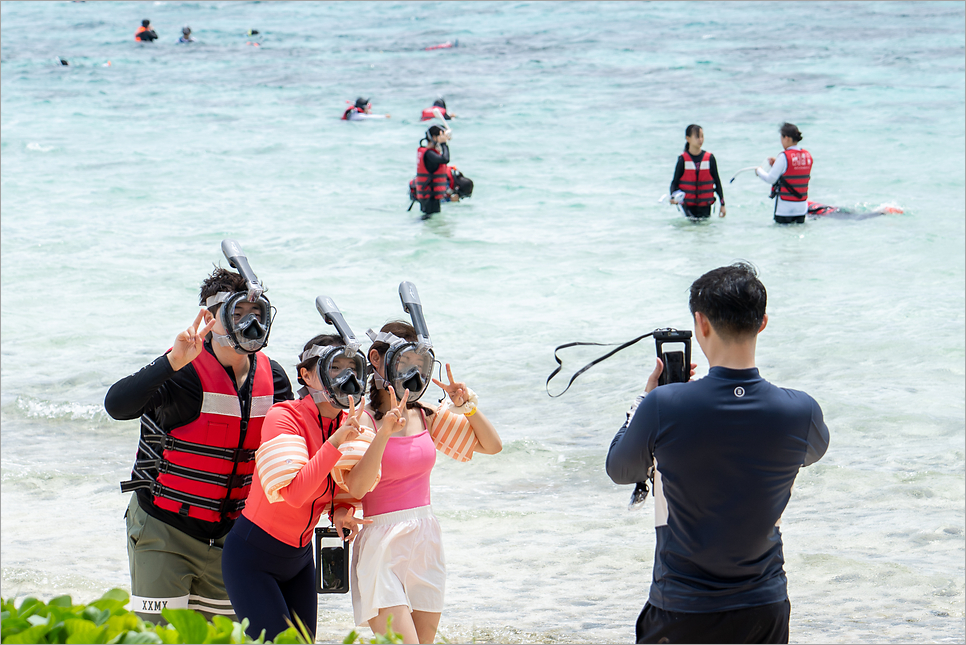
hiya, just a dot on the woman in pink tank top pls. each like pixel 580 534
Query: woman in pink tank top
pixel 398 568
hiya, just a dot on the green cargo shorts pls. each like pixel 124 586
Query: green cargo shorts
pixel 172 569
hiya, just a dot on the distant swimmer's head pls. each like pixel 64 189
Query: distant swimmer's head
pixel 252 32
pixel 439 103
pixel 363 104
pixel 186 31
pixel 145 23
pixel 694 134
pixel 791 131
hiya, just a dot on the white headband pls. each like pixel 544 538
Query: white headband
pixel 217 299
pixel 384 337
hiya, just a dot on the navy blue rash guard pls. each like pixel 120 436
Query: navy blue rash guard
pixel 726 450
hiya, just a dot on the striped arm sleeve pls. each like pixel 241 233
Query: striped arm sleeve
pixel 278 461
pixel 453 434
pixel 352 452
pixel 343 498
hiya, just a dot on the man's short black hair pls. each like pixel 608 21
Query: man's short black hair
pixel 732 298
pixel 221 280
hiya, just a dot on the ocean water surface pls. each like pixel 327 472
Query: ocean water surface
pixel 118 183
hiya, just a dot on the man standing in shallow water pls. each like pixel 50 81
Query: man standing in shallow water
pixel 723 452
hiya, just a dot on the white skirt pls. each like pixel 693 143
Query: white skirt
pixel 398 560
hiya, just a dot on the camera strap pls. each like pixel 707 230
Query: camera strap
pixel 591 363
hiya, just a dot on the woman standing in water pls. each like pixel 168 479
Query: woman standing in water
pixel 398 569
pixel 696 175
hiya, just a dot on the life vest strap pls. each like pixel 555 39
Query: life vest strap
pixel 225 480
pixel 224 506
pixel 165 441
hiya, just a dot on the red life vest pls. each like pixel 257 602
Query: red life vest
pixel 798 169
pixel 203 469
pixel 696 182
pixel 430 185
pixel 345 115
pixel 141 30
pixel 428 113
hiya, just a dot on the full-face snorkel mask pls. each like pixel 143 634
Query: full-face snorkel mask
pixel 342 369
pixel 408 365
pixel 246 315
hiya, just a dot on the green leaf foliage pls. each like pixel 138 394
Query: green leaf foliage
pixel 107 621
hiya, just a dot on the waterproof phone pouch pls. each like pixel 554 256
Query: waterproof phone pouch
pixel 677 362
pixel 332 561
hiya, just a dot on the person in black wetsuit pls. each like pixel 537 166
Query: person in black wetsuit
pixel 145 33
pixel 209 399
pixel 696 174
pixel 723 452
pixel 431 177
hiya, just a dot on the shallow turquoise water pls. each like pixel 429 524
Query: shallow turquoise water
pixel 118 183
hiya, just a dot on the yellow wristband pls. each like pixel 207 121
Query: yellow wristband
pixel 469 414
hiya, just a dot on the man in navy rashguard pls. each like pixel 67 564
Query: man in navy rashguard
pixel 723 452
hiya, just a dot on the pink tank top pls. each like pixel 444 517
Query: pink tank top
pixel 406 466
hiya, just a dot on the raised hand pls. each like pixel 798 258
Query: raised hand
pixel 189 343
pixel 351 428
pixel 344 519
pixel 397 411
pixel 456 391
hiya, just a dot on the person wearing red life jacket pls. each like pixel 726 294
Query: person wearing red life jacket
pixel 361 111
pixel 269 569
pixel 788 175
pixel 145 33
pixel 432 178
pixel 696 175
pixel 439 104
pixel 201 406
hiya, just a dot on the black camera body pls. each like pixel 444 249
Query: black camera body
pixel 332 562
pixel 677 363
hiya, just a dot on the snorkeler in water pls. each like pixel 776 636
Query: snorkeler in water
pixel 361 111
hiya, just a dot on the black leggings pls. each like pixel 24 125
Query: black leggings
pixel 268 580
pixel 697 212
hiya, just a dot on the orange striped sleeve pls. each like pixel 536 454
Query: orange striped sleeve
pixel 278 461
pixel 352 452
pixel 453 435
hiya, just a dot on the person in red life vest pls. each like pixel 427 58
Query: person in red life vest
pixel 269 569
pixel 696 175
pixel 145 33
pixel 788 174
pixel 432 178
pixel 439 104
pixel 361 111
pixel 201 405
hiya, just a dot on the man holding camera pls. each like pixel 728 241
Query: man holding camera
pixel 723 453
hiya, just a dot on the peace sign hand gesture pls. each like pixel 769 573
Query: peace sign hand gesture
pixel 189 343
pixel 351 428
pixel 457 391
pixel 397 411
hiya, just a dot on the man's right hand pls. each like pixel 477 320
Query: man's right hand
pixel 189 343
pixel 652 379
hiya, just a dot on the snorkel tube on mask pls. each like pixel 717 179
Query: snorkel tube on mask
pixel 408 365
pixel 249 333
pixel 337 384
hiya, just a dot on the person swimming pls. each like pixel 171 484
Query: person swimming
pixel 430 112
pixel 816 209
pixel 186 35
pixel 360 111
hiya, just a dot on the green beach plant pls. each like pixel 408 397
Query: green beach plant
pixel 107 621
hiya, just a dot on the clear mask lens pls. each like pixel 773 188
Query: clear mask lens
pixel 247 323
pixel 411 368
pixel 343 376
